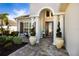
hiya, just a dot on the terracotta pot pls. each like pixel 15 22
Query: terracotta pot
pixel 32 40
pixel 59 42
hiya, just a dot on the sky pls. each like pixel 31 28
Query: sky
pixel 15 9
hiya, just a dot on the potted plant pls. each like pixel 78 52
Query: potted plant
pixel 59 39
pixel 32 38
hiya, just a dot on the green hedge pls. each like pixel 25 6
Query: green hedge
pixel 17 40
pixel 14 39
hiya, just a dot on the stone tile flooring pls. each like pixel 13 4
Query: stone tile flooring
pixel 45 48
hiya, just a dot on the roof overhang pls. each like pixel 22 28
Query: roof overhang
pixel 63 7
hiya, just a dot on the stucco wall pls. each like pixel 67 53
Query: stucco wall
pixel 42 24
pixel 36 7
pixel 72 29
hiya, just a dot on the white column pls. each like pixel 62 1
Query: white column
pixel 18 25
pixel 55 28
pixel 28 21
pixel 31 21
pixel 37 29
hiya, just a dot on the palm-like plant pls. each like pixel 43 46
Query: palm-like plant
pixel 4 18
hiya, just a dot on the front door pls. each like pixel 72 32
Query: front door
pixel 49 29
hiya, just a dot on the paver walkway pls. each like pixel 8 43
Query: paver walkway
pixel 45 48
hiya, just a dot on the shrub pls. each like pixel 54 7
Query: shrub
pixel 59 33
pixel 17 40
pixel 2 39
pixel 1 30
pixel 14 33
pixel 8 41
pixel 32 31
pixel 5 40
pixel 6 32
pixel 9 38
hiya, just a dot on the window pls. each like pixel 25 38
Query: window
pixel 26 27
pixel 47 14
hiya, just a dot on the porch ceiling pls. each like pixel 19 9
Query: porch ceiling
pixel 63 7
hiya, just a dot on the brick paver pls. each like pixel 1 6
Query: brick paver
pixel 44 48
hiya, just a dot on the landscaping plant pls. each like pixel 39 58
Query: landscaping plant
pixel 17 40
pixel 9 40
pixel 59 33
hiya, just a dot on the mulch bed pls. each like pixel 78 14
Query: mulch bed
pixel 6 51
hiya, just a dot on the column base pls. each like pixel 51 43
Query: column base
pixel 54 43
pixel 37 41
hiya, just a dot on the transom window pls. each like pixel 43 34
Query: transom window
pixel 47 13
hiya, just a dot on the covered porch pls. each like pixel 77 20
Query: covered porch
pixel 51 26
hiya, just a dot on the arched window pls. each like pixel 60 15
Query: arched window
pixel 47 13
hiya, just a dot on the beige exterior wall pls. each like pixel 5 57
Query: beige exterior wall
pixel 36 7
pixel 72 29
pixel 42 19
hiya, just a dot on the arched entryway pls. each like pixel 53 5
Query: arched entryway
pixel 42 25
pixel 46 23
